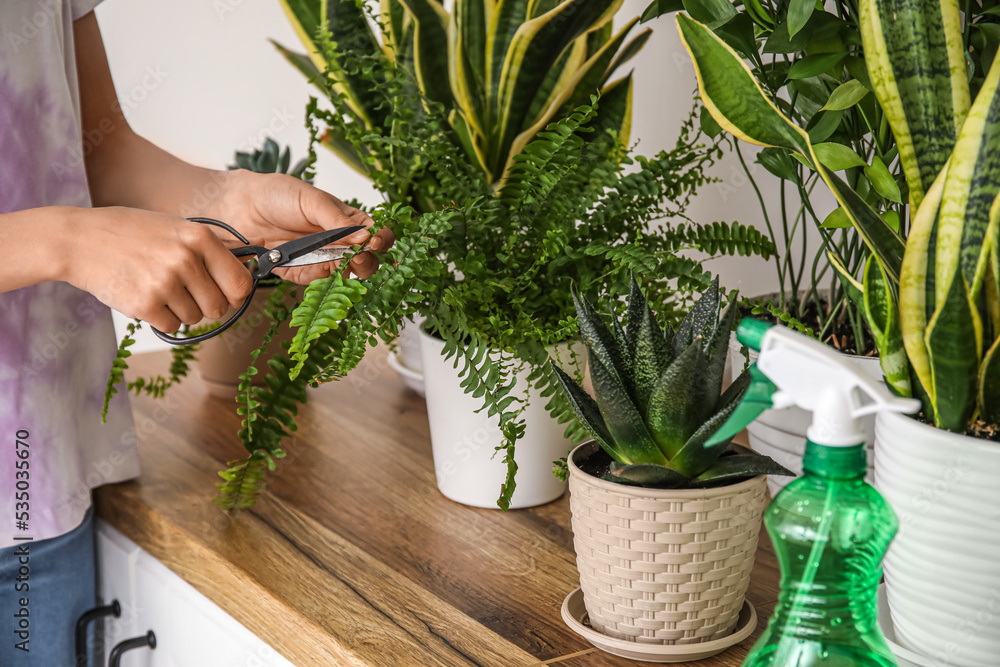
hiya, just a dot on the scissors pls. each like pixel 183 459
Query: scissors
pixel 300 252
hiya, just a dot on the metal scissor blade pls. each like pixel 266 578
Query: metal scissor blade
pixel 287 252
pixel 322 255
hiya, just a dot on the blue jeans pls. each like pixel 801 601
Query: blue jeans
pixel 39 607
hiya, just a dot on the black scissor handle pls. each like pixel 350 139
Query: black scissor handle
pixel 244 251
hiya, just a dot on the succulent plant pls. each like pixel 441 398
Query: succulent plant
pixel 659 396
pixel 270 160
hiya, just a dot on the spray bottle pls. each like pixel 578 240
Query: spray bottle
pixel 830 529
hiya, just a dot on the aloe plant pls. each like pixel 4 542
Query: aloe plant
pixel 270 160
pixel 933 300
pixel 502 71
pixel 657 395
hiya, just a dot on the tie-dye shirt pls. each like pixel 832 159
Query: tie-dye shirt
pixel 56 341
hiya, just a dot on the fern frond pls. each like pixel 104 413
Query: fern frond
pixel 118 366
pixel 326 302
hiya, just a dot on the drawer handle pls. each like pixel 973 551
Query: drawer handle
pixel 148 639
pixel 113 609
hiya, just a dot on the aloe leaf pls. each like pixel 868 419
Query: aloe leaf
pixel 694 458
pixel 652 356
pixel 917 67
pixel 621 416
pixel 589 414
pixel 701 320
pixel 964 237
pixel 882 315
pixel 649 475
pixel 600 342
pixel 953 353
pixel 989 385
pixel 717 349
pixel 730 469
pixel 680 402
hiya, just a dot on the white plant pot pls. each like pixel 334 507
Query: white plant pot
pixel 781 434
pixel 942 571
pixel 469 469
pixel 408 345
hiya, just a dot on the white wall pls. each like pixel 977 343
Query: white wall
pixel 199 78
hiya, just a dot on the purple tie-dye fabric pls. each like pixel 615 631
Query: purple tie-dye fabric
pixel 56 341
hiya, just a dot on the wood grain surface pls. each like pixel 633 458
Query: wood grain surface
pixel 353 557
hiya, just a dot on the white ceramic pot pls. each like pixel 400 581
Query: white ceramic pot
pixel 464 440
pixel 408 345
pixel 942 571
pixel 781 434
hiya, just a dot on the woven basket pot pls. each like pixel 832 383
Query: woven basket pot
pixel 663 566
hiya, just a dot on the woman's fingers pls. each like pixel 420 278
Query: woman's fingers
pixel 364 264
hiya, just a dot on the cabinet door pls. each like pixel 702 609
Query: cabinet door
pixel 191 630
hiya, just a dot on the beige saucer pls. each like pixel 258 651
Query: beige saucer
pixel 575 614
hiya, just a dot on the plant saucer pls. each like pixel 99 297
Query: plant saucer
pixel 575 614
pixel 413 379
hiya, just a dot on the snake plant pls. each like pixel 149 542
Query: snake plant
pixel 932 299
pixel 502 70
pixel 657 395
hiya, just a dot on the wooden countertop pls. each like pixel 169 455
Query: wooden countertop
pixel 353 557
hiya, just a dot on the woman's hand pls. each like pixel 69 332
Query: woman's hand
pixel 158 268
pixel 271 209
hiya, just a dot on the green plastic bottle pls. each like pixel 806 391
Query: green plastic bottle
pixel 830 529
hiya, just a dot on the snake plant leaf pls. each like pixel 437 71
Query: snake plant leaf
pixel 504 19
pixel 680 403
pixel 339 144
pixel 694 458
pixel 732 95
pixel 555 87
pixel 882 315
pixel 534 48
pixel 884 242
pixel 953 353
pixel 588 413
pixel 614 115
pixel 647 475
pixel 628 52
pixel 966 230
pixel 394 18
pixel 467 59
pixel 989 385
pixel 917 67
pixel 345 22
pixel 730 469
pixel 916 292
pixel 599 37
pixel 595 71
pixel 303 63
pixel 430 48
pixel 467 138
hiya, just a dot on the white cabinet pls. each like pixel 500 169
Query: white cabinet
pixel 191 630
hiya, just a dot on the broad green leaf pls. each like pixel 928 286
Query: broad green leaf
pixel 708 124
pixel 732 95
pixel 882 181
pixel 799 12
pixel 740 34
pixel 880 238
pixel 710 11
pixel 777 161
pixel 837 156
pixel 660 7
pixel 966 229
pixel 814 65
pixel 917 66
pixel 845 96
pixel 823 125
pixel 953 352
pixel 467 59
pixel 836 220
pixel 892 219
pixel 882 315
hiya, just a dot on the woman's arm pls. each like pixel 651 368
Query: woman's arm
pixel 124 169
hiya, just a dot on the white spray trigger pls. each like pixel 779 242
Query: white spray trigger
pixel 813 377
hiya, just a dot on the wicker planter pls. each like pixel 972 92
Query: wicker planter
pixel 663 566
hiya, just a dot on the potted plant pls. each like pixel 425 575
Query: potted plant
pixel 931 302
pixel 683 518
